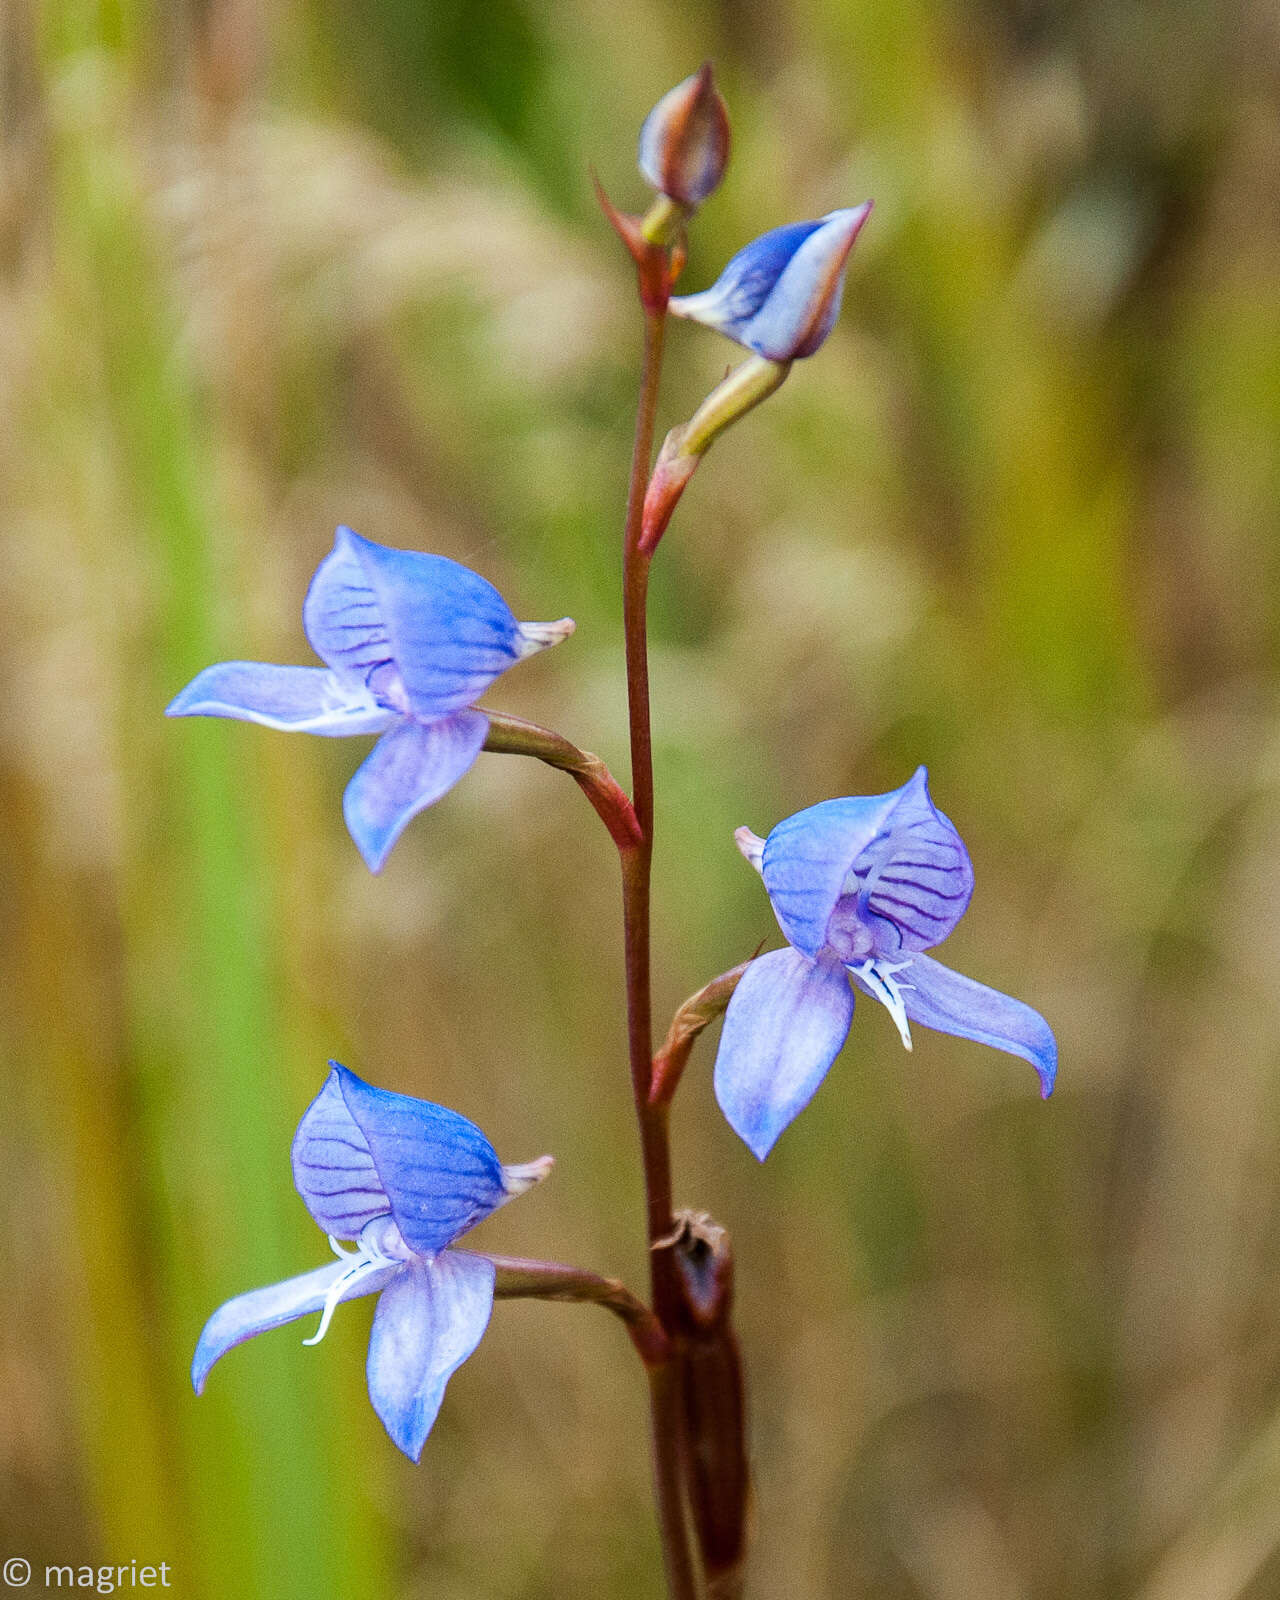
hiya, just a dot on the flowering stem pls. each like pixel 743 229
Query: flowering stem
pixel 637 859
pixel 666 1417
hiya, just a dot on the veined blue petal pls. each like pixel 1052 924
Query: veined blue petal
pixel 808 856
pixel 407 770
pixel 296 699
pixel 262 1309
pixel 937 997
pixel 362 1152
pixel 780 296
pixel 426 634
pixel 784 1027
pixel 912 883
pixel 428 1321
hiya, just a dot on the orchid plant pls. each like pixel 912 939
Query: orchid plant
pixel 862 887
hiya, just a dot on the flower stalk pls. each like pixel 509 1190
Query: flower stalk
pixel 513 736
pixel 520 1279
pixel 697 1013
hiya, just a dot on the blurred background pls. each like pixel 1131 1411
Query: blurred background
pixel 268 265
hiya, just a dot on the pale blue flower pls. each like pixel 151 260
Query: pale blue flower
pixel 861 887
pixel 410 642
pixel 401 1179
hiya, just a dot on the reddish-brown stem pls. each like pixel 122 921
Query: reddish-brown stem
pixel 519 1278
pixel 636 861
pixel 666 1415
pixel 514 736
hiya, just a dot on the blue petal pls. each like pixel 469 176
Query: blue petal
pixel 362 1152
pixel 780 295
pixel 784 1027
pixel 262 1309
pixel 426 635
pixel 803 305
pixel 296 699
pixel 406 771
pixel 808 856
pixel 913 882
pixel 936 997
pixel 746 282
pixel 428 1322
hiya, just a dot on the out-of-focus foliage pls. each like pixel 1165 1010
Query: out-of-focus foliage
pixel 268 267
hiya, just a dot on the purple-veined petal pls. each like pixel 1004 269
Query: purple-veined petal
pixel 425 634
pixel 262 1309
pixel 784 1027
pixel 684 143
pixel 362 1152
pixel 807 858
pixel 911 885
pixel 428 1321
pixel 295 699
pixel 407 770
pixel 936 997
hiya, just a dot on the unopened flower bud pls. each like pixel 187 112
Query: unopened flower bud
pixel 684 143
pixel 780 296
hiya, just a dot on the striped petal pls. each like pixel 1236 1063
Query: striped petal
pixel 807 858
pixel 362 1152
pixel 295 699
pixel 424 634
pixel 429 1320
pixel 406 771
pixel 911 885
pixel 784 1027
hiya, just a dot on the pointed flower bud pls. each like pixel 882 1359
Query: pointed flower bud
pixel 780 295
pixel 684 143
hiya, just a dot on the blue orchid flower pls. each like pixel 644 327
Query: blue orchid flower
pixel 401 1179
pixel 861 887
pixel 409 642
pixel 780 296
pixel 684 143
